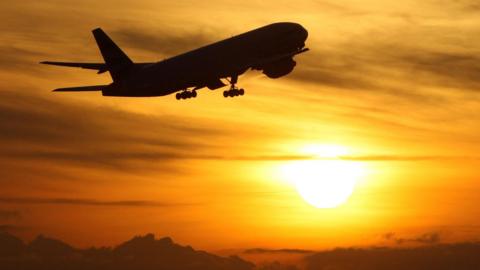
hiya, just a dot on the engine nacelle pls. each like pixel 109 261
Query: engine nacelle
pixel 279 68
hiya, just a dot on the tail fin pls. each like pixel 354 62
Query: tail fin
pixel 116 60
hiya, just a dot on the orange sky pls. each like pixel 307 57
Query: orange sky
pixel 395 83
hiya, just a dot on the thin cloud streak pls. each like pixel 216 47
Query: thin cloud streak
pixel 273 251
pixel 89 202
pixel 9 214
pixel 431 238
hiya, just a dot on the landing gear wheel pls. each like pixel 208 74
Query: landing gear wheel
pixel 186 94
pixel 233 91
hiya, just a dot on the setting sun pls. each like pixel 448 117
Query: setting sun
pixel 324 183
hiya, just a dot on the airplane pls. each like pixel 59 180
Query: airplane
pixel 269 49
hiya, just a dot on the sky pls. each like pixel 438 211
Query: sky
pixel 395 83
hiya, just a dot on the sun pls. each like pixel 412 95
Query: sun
pixel 325 181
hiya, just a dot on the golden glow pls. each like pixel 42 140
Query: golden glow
pixel 324 183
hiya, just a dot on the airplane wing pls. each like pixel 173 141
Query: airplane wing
pixel 101 67
pixel 81 88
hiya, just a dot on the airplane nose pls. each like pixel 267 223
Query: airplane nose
pixel 303 32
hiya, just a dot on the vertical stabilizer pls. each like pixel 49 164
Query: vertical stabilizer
pixel 117 61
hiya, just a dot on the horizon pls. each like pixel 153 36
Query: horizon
pixel 149 252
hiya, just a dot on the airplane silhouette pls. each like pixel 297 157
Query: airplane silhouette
pixel 270 49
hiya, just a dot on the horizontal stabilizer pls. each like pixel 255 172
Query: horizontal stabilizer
pixel 81 88
pixel 101 67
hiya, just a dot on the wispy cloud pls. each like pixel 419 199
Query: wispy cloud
pixel 10 228
pixel 89 135
pixel 426 238
pixel 285 250
pixel 164 42
pixel 89 202
pixel 9 214
pixel 358 63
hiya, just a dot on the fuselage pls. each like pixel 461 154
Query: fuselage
pixel 232 56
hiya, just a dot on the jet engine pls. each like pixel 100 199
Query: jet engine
pixel 279 68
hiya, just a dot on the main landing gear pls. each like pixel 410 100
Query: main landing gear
pixel 186 94
pixel 233 91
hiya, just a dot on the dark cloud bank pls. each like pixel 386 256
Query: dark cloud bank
pixel 146 252
pixel 439 257
pixel 427 238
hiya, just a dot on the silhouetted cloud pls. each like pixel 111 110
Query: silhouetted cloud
pixel 9 214
pixel 141 252
pixel 285 250
pixel 462 256
pixel 88 202
pixel 9 228
pixel 426 238
pixel 276 266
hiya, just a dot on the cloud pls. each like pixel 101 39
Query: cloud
pixel 88 202
pixel 460 256
pixel 9 214
pixel 426 238
pixel 10 228
pixel 86 135
pixel 462 6
pixel 393 64
pixel 141 252
pixel 17 59
pixel 406 158
pixel 285 250
pixel 276 266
